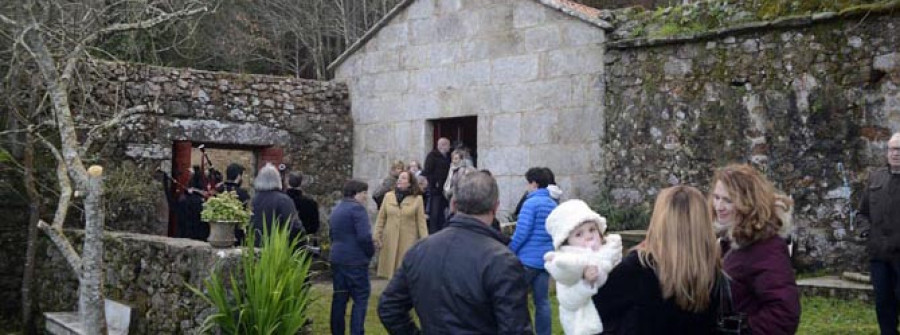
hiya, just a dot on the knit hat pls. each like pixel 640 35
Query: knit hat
pixel 568 216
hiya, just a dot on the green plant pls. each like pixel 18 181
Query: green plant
pixel 130 194
pixel 225 206
pixel 621 216
pixel 273 295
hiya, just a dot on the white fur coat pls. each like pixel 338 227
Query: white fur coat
pixel 577 313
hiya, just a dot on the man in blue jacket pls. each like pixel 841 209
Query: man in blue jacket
pixel 351 251
pixel 531 241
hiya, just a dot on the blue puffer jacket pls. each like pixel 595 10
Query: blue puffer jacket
pixel 531 240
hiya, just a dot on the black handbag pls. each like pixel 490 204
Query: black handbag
pixel 728 320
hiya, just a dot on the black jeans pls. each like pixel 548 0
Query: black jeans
pixel 437 218
pixel 350 281
pixel 886 280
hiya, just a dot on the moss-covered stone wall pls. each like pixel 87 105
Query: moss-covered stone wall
pixel 797 102
pixel 149 273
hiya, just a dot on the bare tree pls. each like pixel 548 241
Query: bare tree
pixel 304 36
pixel 56 37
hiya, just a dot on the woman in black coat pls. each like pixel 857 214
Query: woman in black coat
pixel 270 205
pixel 189 206
pixel 656 290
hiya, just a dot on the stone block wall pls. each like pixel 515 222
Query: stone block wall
pixel 309 119
pixel 530 73
pixel 148 273
pixel 795 100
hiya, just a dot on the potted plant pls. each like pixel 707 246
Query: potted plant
pixel 223 212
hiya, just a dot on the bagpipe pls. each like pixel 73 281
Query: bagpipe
pixel 212 178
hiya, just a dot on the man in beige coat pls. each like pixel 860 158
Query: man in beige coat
pixel 400 224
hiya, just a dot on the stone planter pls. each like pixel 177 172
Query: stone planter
pixel 221 234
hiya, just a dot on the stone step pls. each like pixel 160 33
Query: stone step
pixel 118 320
pixel 836 287
pixel 63 323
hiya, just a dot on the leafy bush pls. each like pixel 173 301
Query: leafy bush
pixel 273 295
pixel 621 216
pixel 130 195
pixel 225 206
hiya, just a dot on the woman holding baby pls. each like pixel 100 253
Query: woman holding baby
pixel 667 284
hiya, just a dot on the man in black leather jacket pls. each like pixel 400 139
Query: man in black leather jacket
pixel 879 222
pixel 462 280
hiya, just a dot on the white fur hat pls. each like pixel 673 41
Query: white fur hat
pixel 568 216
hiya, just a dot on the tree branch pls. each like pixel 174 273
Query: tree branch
pixel 62 243
pixel 145 24
pixel 58 91
pixel 97 130
pixel 65 184
pixel 7 20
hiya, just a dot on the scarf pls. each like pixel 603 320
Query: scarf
pixel 401 194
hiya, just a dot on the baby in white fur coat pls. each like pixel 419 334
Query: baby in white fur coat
pixel 581 263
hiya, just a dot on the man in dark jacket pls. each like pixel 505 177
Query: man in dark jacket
pixel 437 165
pixel 307 208
pixel 462 280
pixel 879 219
pixel 351 250
pixel 234 175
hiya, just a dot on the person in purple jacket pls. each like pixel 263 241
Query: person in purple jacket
pixel 531 241
pixel 753 220
pixel 351 250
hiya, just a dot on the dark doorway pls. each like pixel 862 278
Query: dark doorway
pixel 462 132
pixel 215 156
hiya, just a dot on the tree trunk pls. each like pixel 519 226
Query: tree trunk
pixel 90 299
pixel 34 214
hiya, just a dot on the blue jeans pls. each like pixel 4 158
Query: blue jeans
pixel 350 281
pixel 539 282
pixel 886 281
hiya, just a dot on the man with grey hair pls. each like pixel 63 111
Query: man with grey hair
pixel 879 219
pixel 462 280
pixel 270 205
pixel 437 166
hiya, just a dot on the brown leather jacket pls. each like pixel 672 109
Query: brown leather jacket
pixel 879 215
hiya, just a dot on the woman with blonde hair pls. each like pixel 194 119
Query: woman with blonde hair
pixel 400 223
pixel 753 221
pixel 667 284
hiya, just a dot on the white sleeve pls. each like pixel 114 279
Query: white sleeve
pixel 566 268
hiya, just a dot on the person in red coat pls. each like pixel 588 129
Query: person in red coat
pixel 753 222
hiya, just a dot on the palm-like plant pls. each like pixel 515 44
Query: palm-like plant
pixel 273 295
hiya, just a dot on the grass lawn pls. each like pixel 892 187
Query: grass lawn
pixel 820 315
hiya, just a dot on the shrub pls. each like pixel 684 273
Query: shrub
pixel 621 216
pixel 225 206
pixel 272 296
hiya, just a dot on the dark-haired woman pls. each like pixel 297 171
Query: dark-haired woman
pixel 400 223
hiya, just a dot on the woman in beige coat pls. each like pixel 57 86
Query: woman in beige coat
pixel 400 224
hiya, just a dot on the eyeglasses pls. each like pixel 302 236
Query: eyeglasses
pixel 894 149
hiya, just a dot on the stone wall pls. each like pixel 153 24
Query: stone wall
pixel 148 273
pixel 797 99
pixel 309 119
pixel 531 74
